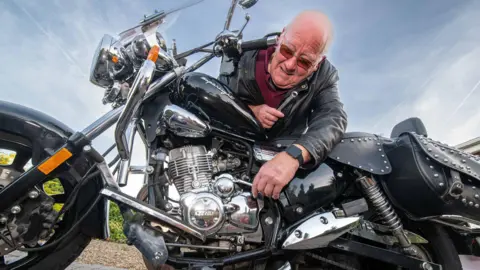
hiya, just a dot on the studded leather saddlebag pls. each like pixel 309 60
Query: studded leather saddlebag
pixel 430 178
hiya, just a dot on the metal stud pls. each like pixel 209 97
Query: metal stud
pixel 338 158
pixel 474 187
pixel 360 166
pixel 386 167
pixel 382 170
pixel 435 175
pixel 431 167
pixel 359 140
pixel 476 196
pixel 378 143
pixel 383 155
pixel 428 158
pixel 429 149
pixel 464 200
pixel 342 141
pixel 348 162
pixel 463 161
pixel 441 184
pixel 445 160
pixel 371 170
pixel 477 205
pixel 379 149
pixel 352 140
pixel 435 155
pixel 470 203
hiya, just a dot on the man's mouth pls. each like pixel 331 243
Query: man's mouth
pixel 286 72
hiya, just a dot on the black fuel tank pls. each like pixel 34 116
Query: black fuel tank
pixel 310 190
pixel 214 101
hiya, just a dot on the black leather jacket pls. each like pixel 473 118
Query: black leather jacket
pixel 315 118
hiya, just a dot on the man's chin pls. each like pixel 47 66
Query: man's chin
pixel 282 84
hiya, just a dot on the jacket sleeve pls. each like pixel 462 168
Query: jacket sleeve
pixel 327 123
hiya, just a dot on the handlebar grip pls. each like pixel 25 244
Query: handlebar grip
pixel 258 44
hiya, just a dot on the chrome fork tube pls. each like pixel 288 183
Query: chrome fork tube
pixel 139 87
pixel 125 163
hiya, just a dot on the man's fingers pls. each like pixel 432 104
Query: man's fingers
pixel 268 190
pixel 271 117
pixel 254 185
pixel 276 192
pixel 267 123
pixel 275 112
pixel 261 184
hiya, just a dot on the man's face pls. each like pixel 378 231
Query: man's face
pixel 296 57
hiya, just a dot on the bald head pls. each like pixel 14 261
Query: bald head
pixel 312 26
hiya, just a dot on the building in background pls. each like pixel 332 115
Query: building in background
pixel 472 146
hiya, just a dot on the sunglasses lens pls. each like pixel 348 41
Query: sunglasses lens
pixel 287 53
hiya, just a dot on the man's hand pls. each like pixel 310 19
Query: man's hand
pixel 277 173
pixel 274 175
pixel 266 115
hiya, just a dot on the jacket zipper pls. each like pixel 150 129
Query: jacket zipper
pixel 289 99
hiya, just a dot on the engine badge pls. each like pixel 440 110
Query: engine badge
pixel 204 211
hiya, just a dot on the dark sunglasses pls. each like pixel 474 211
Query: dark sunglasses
pixel 288 53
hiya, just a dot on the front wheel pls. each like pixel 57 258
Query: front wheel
pixel 14 160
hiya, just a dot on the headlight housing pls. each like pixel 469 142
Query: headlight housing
pixel 110 63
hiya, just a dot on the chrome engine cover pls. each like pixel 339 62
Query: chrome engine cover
pixel 203 210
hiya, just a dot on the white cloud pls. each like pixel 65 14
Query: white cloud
pixel 443 78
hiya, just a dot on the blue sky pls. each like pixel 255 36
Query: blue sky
pixel 396 59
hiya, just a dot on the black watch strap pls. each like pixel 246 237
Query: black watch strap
pixel 296 153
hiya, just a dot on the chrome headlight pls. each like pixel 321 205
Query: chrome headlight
pixel 110 63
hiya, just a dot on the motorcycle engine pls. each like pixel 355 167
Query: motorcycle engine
pixel 216 205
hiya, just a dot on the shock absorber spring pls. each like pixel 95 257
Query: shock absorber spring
pixel 384 209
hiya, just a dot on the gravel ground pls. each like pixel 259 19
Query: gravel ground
pixel 112 254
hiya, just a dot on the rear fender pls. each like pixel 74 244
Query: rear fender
pixel 44 134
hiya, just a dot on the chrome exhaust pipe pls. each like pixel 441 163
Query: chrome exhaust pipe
pixel 118 196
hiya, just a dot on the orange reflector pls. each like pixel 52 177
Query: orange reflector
pixel 54 161
pixel 115 59
pixel 153 53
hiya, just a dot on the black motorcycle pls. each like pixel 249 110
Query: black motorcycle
pixel 404 202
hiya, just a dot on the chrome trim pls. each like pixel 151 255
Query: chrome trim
pixel 106 174
pixel 184 123
pixel 472 226
pixel 200 246
pixel 124 168
pixel 203 211
pixel 231 10
pixel 246 4
pixel 104 71
pixel 318 231
pixel 139 87
pixel 285 266
pixel 119 196
pixel 103 123
pixel 158 85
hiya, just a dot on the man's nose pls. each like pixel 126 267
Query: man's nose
pixel 291 64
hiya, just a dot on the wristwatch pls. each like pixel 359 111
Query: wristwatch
pixel 295 152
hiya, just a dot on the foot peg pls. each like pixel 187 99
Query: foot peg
pixel 146 240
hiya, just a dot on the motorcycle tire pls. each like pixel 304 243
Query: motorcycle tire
pixel 68 250
pixel 440 245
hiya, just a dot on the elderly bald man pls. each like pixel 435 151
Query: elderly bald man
pixel 295 75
